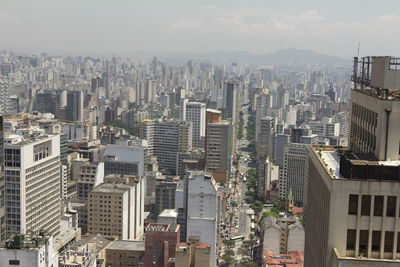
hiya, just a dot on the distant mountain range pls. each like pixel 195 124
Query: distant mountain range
pixel 289 56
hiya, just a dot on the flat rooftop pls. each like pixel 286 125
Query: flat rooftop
pixel 128 245
pixel 111 188
pixel 344 164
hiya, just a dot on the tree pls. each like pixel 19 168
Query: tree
pixel 269 213
pixel 252 172
pixel 120 124
pixel 229 254
pixel 257 206
pixel 247 248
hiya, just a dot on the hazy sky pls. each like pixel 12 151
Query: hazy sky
pixel 259 26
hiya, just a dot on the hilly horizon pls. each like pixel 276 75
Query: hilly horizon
pixel 283 56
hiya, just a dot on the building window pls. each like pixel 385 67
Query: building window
pixel 365 205
pixel 378 206
pixel 363 243
pixel 351 239
pixel 376 241
pixel 389 241
pixel 391 207
pixel 13 262
pixel 353 204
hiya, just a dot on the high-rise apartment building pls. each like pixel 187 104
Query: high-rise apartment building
pixel 353 201
pixel 116 207
pixel 294 173
pixel 203 209
pixel 166 139
pixel 196 113
pixel 32 184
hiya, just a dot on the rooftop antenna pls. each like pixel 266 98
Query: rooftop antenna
pixel 358 50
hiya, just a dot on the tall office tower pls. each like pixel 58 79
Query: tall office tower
pixel 231 108
pixel 2 191
pixel 353 202
pixel 280 141
pixel 96 83
pixel 150 92
pixel 116 207
pixel 46 102
pixel 282 100
pixel 293 175
pixel 166 139
pixel 74 111
pixel 32 184
pixel 165 195
pixel 196 113
pixel 218 150
pixel 4 95
pixel 203 209
pixel 265 140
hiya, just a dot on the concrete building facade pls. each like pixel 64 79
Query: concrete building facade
pixel 32 184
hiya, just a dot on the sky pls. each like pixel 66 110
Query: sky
pixel 334 27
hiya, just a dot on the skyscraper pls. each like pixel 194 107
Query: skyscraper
pixel 203 209
pixel 218 150
pixel 32 184
pixel 167 138
pixel 294 173
pixel 74 106
pixel 353 200
pixel 196 113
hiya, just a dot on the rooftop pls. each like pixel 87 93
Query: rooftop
pixel 292 259
pixel 25 242
pixel 168 213
pixel 101 241
pixel 127 245
pixel 112 188
pixel 202 245
pixel 344 164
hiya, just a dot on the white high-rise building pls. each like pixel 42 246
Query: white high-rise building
pixel 196 113
pixel 32 184
pixel 203 210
